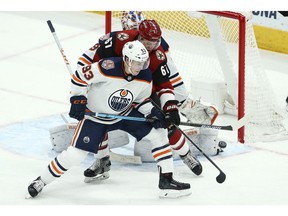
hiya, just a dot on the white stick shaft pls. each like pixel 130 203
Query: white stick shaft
pixel 59 46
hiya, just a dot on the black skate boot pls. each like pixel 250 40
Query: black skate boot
pixel 169 188
pixel 192 163
pixel 35 188
pixel 98 170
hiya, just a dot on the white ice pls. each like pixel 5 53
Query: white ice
pixel 34 90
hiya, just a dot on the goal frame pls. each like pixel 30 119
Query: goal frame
pixel 241 57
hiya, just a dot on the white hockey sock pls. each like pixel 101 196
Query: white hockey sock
pixel 103 149
pixel 64 161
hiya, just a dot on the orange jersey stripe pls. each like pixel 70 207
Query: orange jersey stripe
pixel 85 60
pixel 78 80
pixel 176 80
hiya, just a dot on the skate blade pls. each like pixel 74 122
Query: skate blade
pixel 28 196
pixel 172 194
pixel 101 177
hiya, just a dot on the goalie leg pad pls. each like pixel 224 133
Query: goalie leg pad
pixel 117 138
pixel 61 137
pixel 206 139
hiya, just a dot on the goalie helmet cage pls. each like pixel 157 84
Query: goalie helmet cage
pixel 220 47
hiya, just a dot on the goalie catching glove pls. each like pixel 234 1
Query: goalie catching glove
pixel 78 107
pixel 198 111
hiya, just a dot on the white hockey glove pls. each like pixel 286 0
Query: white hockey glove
pixel 198 111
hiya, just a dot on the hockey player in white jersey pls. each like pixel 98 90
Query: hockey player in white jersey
pixel 194 110
pixel 118 86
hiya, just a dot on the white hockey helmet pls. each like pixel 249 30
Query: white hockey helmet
pixel 135 57
pixel 131 19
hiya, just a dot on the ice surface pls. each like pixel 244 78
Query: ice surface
pixel 34 88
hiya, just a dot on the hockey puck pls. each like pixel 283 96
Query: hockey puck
pixel 222 144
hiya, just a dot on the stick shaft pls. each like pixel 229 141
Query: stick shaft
pixel 51 27
pixel 131 118
pixel 217 127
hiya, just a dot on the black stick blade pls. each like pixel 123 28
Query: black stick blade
pixel 221 178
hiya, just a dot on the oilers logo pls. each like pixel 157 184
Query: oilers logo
pixel 120 100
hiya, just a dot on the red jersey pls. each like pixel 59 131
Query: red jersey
pixel 111 45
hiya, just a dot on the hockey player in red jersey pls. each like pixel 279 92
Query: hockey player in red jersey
pixel 121 86
pixel 149 34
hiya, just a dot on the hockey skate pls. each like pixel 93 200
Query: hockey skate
pixel 192 163
pixel 169 188
pixel 35 188
pixel 98 170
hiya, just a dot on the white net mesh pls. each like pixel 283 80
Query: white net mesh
pixel 205 47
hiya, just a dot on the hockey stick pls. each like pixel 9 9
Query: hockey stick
pixel 125 158
pixel 233 127
pixel 129 118
pixel 51 27
pixel 221 177
pixel 114 156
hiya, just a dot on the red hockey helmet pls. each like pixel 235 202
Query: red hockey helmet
pixel 150 30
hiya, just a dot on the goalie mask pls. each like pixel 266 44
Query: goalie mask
pixel 135 57
pixel 131 19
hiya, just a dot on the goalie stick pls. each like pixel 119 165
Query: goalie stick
pixel 233 127
pixel 114 156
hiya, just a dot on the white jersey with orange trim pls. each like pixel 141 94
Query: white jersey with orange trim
pixel 110 90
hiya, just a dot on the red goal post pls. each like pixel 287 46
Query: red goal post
pixel 241 63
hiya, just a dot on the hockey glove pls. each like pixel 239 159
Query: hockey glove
pixel 78 107
pixel 159 117
pixel 171 113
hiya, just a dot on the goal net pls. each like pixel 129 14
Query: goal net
pixel 217 56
